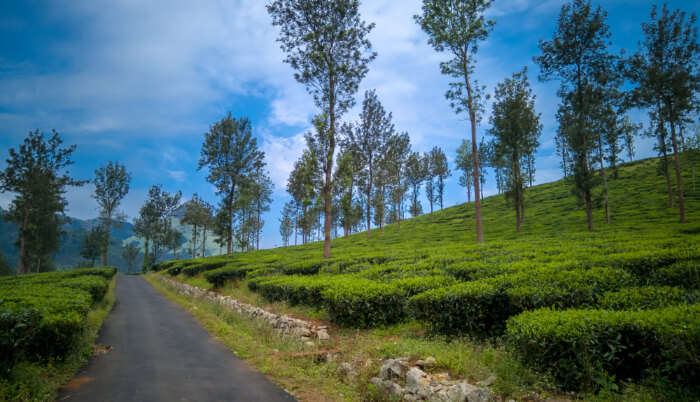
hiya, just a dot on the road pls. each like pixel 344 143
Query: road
pixel 159 352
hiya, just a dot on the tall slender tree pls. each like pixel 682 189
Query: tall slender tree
pixel 395 164
pixel 415 176
pixel 464 163
pixel 440 170
pixel 111 186
pixel 515 127
pixel 369 138
pixel 457 27
pixel 575 55
pixel 666 70
pixel 232 157
pixel 37 172
pixel 326 42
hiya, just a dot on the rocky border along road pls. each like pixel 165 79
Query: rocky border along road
pixel 421 386
pixel 303 330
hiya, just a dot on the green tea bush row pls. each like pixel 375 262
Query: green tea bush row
pixel 481 307
pixel 581 348
pixel 197 267
pixel 44 315
pixel 647 297
pixel 219 276
pixel 684 273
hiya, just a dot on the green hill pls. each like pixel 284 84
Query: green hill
pixel 588 309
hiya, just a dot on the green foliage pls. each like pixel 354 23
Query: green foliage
pixel 43 315
pixel 648 297
pixel 582 349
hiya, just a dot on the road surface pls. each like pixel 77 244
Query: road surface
pixel 159 352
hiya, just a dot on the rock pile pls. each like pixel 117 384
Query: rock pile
pixel 304 330
pixel 409 382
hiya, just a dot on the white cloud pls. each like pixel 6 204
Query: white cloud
pixel 280 154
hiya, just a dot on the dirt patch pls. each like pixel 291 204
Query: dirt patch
pixel 78 382
pixel 100 349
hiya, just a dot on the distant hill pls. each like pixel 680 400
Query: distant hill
pixel 68 256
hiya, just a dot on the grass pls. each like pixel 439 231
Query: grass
pixel 41 381
pixel 553 251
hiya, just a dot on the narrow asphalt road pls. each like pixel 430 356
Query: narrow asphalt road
pixel 159 352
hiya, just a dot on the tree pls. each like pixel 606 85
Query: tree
pixel 261 192
pixel 302 185
pixel 667 75
pixel 287 222
pixel 37 173
pixel 465 165
pixel 198 214
pixel 326 42
pixel 93 243
pixel 395 165
pixel 415 175
pixel 457 26
pixel 130 252
pixel 516 128
pixel 439 169
pixel 575 55
pixel 345 182
pixel 369 138
pixel 232 156
pixel 154 222
pixel 111 186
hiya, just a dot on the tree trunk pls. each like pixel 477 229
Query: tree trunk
pixel 257 231
pixel 369 195
pixel 398 214
pixel 605 180
pixel 108 227
pixel 204 241
pixel 21 263
pixel 229 235
pixel 194 242
pixel 475 160
pixel 679 180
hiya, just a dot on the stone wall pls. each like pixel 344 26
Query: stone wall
pixel 304 330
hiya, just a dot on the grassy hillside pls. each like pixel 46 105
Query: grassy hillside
pixel 587 309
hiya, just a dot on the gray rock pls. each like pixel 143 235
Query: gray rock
pixel 323 335
pixel 460 392
pixel 416 378
pixel 392 369
pixel 310 344
pixel 427 362
pixel 488 381
pixel 346 370
pixel 480 395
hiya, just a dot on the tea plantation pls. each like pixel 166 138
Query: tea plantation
pixel 620 303
pixel 43 320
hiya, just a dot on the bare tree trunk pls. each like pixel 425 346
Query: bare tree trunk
pixel 475 160
pixel 204 241
pixel 369 195
pixel 605 180
pixel 679 180
pixel 108 227
pixel 21 263
pixel 229 237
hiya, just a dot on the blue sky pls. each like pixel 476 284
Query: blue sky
pixel 140 82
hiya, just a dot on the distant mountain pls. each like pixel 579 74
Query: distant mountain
pixel 68 255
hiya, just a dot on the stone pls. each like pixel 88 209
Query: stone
pixel 460 392
pixel 392 369
pixel 310 344
pixel 346 370
pixel 322 335
pixel 488 381
pixel 428 362
pixel 330 357
pixel 416 378
pixel 480 395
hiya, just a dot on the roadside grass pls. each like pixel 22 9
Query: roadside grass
pixel 41 381
pixel 306 373
pixel 431 268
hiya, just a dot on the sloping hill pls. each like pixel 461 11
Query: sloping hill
pixel 625 293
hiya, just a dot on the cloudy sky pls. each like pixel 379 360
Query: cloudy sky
pixel 141 81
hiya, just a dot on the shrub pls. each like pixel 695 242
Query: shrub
pixel 305 267
pixel 647 297
pixel 363 303
pixel 684 273
pixel 197 267
pixel 478 307
pixel 219 276
pixel 578 347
